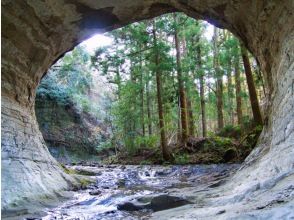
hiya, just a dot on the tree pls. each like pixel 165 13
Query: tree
pixel 251 87
pixel 165 153
pixel 238 89
pixel 182 96
pixel 202 91
pixel 228 56
pixel 219 79
pixel 168 63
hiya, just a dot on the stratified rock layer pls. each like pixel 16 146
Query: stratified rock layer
pixel 71 135
pixel 36 33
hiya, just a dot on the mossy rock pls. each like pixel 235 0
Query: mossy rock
pixel 230 155
pixel 67 170
pixel 82 183
pixel 85 173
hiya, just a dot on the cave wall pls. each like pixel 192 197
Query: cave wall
pixel 36 33
pixel 71 134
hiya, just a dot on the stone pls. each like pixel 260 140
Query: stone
pixel 70 135
pixel 95 193
pixel 128 206
pixel 163 202
pixel 221 212
pixel 230 155
pixel 121 183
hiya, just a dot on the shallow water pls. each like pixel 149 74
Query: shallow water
pixel 135 184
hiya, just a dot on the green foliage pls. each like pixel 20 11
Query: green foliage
pixel 230 131
pixel 145 162
pixel 129 65
pixel 69 81
pixel 68 77
pixel 182 159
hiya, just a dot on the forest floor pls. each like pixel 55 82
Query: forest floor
pixel 209 150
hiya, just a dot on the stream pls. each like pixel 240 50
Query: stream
pixel 135 192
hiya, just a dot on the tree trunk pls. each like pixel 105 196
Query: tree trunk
pixel 190 117
pixel 148 107
pixel 202 98
pixel 238 90
pixel 251 87
pixel 165 153
pixel 142 97
pixel 181 87
pixel 230 91
pixel 219 81
pixel 179 133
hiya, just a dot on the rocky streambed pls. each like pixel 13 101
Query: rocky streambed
pixel 136 192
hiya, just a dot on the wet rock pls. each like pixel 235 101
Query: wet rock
pixel 217 184
pixel 121 183
pixel 230 155
pixel 99 173
pixel 221 212
pixel 128 206
pixel 161 173
pixel 32 218
pixel 110 212
pixel 87 202
pixel 163 202
pixel 95 192
pixel 85 172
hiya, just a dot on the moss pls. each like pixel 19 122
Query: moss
pixel 182 159
pixel 145 162
pixel 85 182
pixel 85 172
pixel 67 170
pixel 230 131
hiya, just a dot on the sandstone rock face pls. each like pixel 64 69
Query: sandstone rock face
pixel 36 33
pixel 70 135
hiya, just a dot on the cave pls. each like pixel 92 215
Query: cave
pixel 36 34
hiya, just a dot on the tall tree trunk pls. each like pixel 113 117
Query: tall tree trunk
pixel 133 103
pixel 188 92
pixel 183 104
pixel 190 117
pixel 142 97
pixel 230 91
pixel 202 91
pixel 219 81
pixel 118 82
pixel 148 100
pixel 227 35
pixel 179 133
pixel 238 90
pixel 165 153
pixel 251 87
pixel 219 103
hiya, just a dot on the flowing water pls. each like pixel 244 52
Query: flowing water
pixel 138 185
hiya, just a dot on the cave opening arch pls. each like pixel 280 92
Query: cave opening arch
pixel 36 34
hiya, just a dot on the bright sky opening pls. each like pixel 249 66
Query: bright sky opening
pixel 99 40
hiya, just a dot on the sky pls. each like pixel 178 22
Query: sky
pixel 100 40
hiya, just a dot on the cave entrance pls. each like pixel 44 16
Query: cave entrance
pixel 38 32
pixel 101 99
